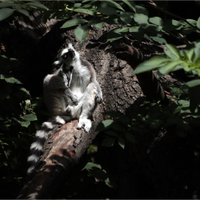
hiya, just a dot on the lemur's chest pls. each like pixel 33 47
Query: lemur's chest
pixel 80 80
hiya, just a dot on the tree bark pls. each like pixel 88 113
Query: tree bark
pixel 66 145
pixel 62 152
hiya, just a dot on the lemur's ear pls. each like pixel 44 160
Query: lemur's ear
pixel 57 62
pixel 70 45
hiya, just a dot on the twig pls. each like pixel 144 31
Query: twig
pixel 173 15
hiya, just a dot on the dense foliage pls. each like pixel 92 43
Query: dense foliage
pixel 17 119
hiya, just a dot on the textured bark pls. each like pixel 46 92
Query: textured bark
pixel 148 82
pixel 66 145
pixel 62 151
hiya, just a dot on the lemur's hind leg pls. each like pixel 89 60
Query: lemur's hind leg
pixel 88 105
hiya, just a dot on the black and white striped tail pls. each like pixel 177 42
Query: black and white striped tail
pixel 41 137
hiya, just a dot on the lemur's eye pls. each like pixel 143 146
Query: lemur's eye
pixel 64 56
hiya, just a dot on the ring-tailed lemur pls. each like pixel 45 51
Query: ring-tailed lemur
pixel 85 86
pixel 71 92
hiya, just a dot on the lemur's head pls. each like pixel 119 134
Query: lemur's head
pixel 67 56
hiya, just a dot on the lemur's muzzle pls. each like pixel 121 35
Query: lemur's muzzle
pixel 70 53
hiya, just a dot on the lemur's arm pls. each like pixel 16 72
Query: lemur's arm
pixel 67 80
pixel 99 97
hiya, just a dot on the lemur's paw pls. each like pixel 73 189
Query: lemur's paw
pixel 79 126
pixel 99 98
pixel 68 110
pixel 86 123
pixel 87 128
pixel 75 101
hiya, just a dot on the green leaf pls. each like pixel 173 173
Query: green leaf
pixel 189 54
pixel 141 19
pixel 107 122
pixel 116 34
pixel 99 25
pixel 7 4
pixel 86 1
pixel 77 5
pixel 24 90
pixel 134 29
pixel 193 83
pixel 81 32
pixel 104 124
pixel 184 103
pixel 191 21
pixel 30 117
pixel 22 123
pixel 114 4
pixel 141 9
pixel 152 29
pixel 170 54
pixel 10 79
pixel 121 142
pixel 130 4
pixel 156 20
pixel 198 23
pixel 125 17
pixel 5 13
pixel 84 11
pixel 158 39
pixel 105 8
pixel 73 22
pixel 108 142
pixel 37 5
pixel 151 64
pixel 91 165
pixel 24 12
pixel 197 52
pixel 173 50
pixel 168 67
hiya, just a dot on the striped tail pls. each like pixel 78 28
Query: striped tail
pixel 41 137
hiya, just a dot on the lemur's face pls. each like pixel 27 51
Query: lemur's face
pixel 67 56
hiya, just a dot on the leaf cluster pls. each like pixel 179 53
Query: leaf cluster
pixel 7 9
pixel 16 117
pixel 133 17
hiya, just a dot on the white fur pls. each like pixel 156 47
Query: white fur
pixel 36 146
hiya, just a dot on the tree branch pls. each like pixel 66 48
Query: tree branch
pixel 62 151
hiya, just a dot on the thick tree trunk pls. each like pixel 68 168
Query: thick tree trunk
pixel 66 145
